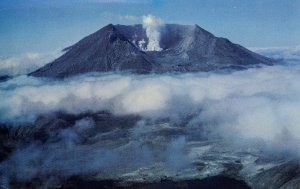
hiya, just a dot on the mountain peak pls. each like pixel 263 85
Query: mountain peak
pixel 109 27
pixel 184 48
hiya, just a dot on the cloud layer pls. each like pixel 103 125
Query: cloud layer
pixel 25 63
pixel 255 103
pixel 281 53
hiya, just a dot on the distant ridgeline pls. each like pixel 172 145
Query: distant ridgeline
pixel 182 48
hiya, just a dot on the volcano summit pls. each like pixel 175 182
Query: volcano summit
pixel 182 48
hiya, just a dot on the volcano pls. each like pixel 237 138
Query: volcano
pixel 117 48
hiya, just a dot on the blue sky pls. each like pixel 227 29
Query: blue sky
pixel 47 25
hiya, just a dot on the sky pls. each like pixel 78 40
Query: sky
pixel 49 25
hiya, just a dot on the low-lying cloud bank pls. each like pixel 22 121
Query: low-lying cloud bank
pixel 256 103
pixel 280 53
pixel 25 63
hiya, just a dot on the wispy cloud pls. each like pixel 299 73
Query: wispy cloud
pixel 281 53
pixel 25 63
pixel 119 1
pixel 123 18
pixel 130 18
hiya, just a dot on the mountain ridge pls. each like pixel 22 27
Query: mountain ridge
pixel 185 48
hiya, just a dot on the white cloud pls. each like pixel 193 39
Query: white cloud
pixel 281 53
pixel 130 18
pixel 119 1
pixel 257 102
pixel 25 63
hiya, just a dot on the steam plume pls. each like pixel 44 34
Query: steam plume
pixel 153 26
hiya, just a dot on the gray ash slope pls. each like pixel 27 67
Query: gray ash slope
pixel 186 48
